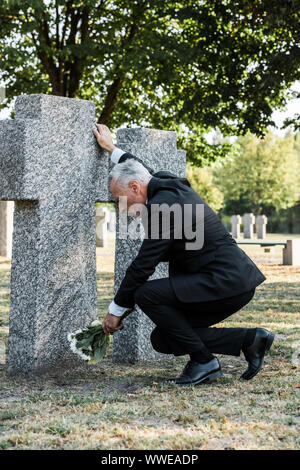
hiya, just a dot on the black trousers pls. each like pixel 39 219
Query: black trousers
pixel 183 328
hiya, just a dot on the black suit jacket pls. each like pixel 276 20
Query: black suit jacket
pixel 218 270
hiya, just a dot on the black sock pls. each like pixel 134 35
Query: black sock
pixel 201 356
pixel 249 337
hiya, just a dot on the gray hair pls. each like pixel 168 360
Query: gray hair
pixel 129 170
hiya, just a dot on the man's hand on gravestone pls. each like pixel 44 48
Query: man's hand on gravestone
pixel 111 323
pixel 104 137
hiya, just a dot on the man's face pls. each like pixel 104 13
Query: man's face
pixel 136 192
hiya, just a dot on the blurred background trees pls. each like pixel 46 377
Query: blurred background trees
pixel 262 176
pixel 189 66
pixel 265 173
pixel 202 181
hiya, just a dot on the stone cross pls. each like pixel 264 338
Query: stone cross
pixel 159 150
pixel 261 226
pixel 236 226
pixel 6 228
pixel 102 214
pixel 248 222
pixel 50 165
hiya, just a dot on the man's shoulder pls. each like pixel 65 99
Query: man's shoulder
pixel 167 186
pixel 167 175
pixel 171 191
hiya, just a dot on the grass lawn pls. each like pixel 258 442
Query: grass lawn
pixel 113 406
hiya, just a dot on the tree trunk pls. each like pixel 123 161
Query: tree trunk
pixel 110 101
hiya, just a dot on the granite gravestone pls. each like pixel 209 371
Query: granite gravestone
pixel 248 222
pixel 6 227
pixel 50 165
pixel 236 226
pixel 261 226
pixel 159 150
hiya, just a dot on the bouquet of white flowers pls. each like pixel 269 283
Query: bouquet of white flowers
pixel 91 343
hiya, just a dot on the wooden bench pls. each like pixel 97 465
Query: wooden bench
pixel 267 245
pixel 290 252
pixel 262 243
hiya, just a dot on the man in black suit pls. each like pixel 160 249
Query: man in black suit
pixel 206 283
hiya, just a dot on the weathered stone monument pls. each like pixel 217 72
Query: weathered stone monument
pixel 51 166
pixel 248 222
pixel 102 215
pixel 236 226
pixel 6 227
pixel 261 226
pixel 157 149
pixel 291 254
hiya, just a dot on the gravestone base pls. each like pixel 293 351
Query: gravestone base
pixel 70 362
pixel 132 344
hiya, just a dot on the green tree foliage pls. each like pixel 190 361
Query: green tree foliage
pixel 263 177
pixel 201 180
pixel 297 144
pixel 161 63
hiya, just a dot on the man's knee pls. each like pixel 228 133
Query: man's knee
pixel 157 341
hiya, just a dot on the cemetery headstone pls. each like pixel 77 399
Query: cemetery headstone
pixel 236 226
pixel 51 166
pixel 158 149
pixel 291 254
pixel 248 222
pixel 261 226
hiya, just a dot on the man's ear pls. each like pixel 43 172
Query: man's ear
pixel 133 185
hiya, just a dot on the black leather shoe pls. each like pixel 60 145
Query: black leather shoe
pixel 255 353
pixel 195 373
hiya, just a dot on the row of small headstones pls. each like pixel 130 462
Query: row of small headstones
pixel 249 220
